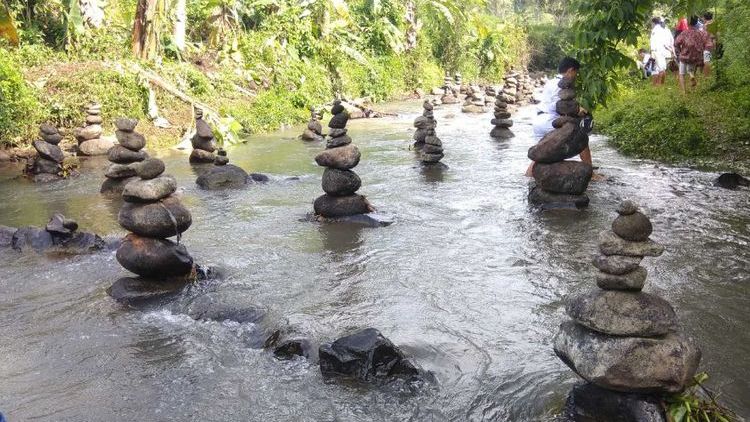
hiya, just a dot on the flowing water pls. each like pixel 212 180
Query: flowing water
pixel 469 281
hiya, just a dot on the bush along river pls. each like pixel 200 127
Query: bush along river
pixel 470 283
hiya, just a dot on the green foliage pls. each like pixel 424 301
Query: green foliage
pixel 656 123
pixel 18 102
pixel 736 40
pixel 601 29
pixel 696 404
pixel 547 46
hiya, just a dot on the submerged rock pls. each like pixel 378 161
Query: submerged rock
pixel 161 219
pixel 150 257
pixel 139 291
pixel 289 349
pixel 365 356
pixel 222 177
pixel 589 403
pixel 549 200
pixel 225 306
pixel 611 244
pixel 341 206
pixel 566 177
pixel 731 181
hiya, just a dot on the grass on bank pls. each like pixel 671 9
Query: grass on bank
pixel 708 128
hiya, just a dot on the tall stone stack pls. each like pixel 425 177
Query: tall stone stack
pixel 561 183
pixel 123 156
pixel 340 183
pixel 525 89
pixel 449 91
pixel 510 88
pixel 152 214
pixel 203 141
pixel 314 130
pixel 432 151
pixel 459 82
pixel 423 124
pixel 502 121
pixel 474 100
pixel 490 94
pixel 47 165
pixel 89 137
pixel 620 338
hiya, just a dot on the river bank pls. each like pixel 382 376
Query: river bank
pixel 469 281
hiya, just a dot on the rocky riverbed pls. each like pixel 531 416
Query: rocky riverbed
pixel 470 282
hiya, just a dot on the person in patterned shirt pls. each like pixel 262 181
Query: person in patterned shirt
pixel 691 44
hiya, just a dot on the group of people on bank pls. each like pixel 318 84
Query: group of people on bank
pixel 688 49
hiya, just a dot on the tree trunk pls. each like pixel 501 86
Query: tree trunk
pixel 180 24
pixel 411 26
pixel 145 40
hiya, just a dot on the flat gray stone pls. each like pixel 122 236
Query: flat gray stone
pixel 150 190
pixel 622 313
pixel 616 264
pixel 611 244
pixel 633 280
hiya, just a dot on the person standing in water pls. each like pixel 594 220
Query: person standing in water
pixel 547 110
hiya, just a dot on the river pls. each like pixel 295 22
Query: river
pixel 469 281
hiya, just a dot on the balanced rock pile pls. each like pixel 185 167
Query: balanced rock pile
pixel 525 91
pixel 620 338
pixel 152 214
pixel 60 235
pixel 90 141
pixel 203 141
pixel 510 88
pixel 314 130
pixel 449 93
pixel 124 157
pixel 490 93
pixel 474 101
pixel 222 175
pixel 423 124
pixel 502 120
pixel 431 151
pixel 340 183
pixel 560 183
pixel 47 165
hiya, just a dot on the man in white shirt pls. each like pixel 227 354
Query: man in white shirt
pixel 662 49
pixel 547 107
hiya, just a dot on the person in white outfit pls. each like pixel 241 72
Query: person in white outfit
pixel 547 107
pixel 662 49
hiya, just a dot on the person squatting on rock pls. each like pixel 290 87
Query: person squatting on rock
pixel 692 44
pixel 547 108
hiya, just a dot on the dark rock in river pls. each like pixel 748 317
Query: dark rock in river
pixel 133 141
pixel 42 165
pixel 731 181
pixel 563 120
pixel 149 168
pixel 151 257
pixel 222 177
pixel 566 177
pixel 120 171
pixel 49 151
pixel 289 349
pixel 59 224
pixel 259 178
pixel 121 155
pixel 341 206
pixel 567 108
pixel 225 306
pixel 548 200
pixel 199 156
pixel 589 403
pixel 628 364
pixel 338 121
pixel 559 144
pixel 365 356
pixel 621 313
pixel 149 190
pixel 635 227
pixel 615 264
pixel 342 158
pixel 155 219
pixel 633 280
pixel 340 182
pixel 34 238
pixel 138 291
pixel 114 187
pixel 6 235
pixel 125 124
pixel 611 244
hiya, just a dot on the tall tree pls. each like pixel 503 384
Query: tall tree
pixel 145 40
pixel 411 25
pixel 92 13
pixel 180 24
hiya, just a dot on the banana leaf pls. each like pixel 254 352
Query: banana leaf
pixel 7 26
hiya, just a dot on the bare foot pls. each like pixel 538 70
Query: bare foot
pixel 596 177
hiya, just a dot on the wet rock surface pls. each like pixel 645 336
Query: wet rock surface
pixel 589 403
pixel 89 137
pixel 203 141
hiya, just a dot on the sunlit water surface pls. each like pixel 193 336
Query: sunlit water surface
pixel 469 281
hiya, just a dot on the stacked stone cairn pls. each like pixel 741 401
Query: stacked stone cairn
pixel 152 214
pixel 314 130
pixel 459 82
pixel 510 88
pixel 449 93
pixel 203 141
pixel 340 183
pixel 89 137
pixel 47 165
pixel 561 183
pixel 423 124
pixel 490 94
pixel 124 157
pixel 621 339
pixel 525 92
pixel 474 101
pixel 502 120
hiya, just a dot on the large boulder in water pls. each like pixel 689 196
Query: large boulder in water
pixel 121 155
pixel 622 313
pixel 151 257
pixel 49 151
pixel 161 219
pixel 589 403
pixel 340 182
pixel 6 235
pixel 342 158
pixel 628 364
pixel 32 238
pixel 222 177
pixel 140 292
pixel 549 200
pixel 731 181
pixel 341 206
pixel 567 177
pixel 559 144
pixel 365 356
pixel 150 190
pixel 198 156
